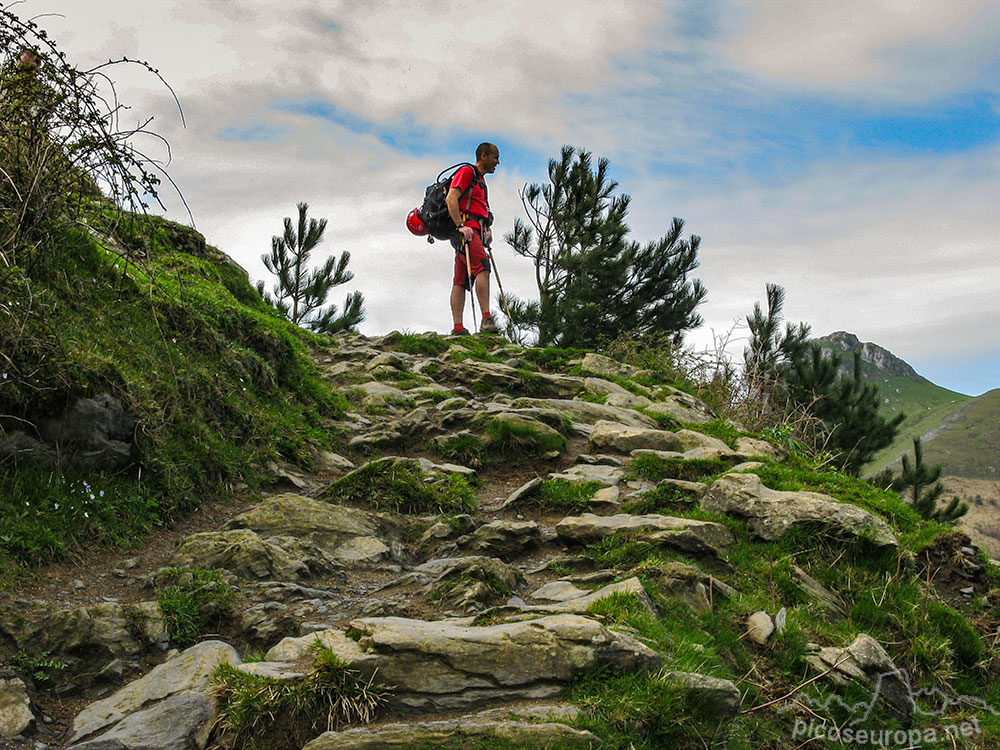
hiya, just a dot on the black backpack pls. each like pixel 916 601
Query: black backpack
pixel 434 211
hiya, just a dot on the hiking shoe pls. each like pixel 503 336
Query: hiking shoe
pixel 488 325
pixel 460 332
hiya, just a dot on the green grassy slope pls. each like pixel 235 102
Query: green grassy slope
pixel 217 382
pixel 967 443
pixel 926 407
pixel 902 390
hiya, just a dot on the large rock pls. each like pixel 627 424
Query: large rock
pixel 867 662
pixel 579 605
pixel 183 720
pixel 601 365
pixel 89 637
pixel 703 539
pixel 15 708
pixel 471 372
pixel 588 412
pixel 501 538
pixel 190 670
pixel 771 513
pixel 625 439
pixel 710 695
pixel 682 407
pixel 242 552
pixel 291 537
pixel 523 729
pixel 96 432
pixel 467 584
pixel 447 666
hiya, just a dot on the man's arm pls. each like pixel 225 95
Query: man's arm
pixel 456 215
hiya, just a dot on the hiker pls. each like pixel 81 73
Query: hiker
pixel 474 235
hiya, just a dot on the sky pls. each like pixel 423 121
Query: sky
pixel 848 150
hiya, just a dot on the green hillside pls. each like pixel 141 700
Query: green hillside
pixel 967 442
pixel 927 406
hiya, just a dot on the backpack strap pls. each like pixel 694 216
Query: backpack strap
pixel 477 177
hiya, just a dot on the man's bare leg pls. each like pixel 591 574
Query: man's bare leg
pixel 457 304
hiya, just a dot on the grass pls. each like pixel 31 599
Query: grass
pixel 153 335
pixel 667 499
pixel 561 495
pixel 45 513
pixel 656 468
pixel 195 599
pixel 400 486
pixel 431 344
pixel 515 435
pixel 467 448
pixel 264 713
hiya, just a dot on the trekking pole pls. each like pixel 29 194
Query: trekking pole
pixel 471 281
pixel 503 297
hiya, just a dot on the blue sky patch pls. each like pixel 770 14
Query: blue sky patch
pixel 254 132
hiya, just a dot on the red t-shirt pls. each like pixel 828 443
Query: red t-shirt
pixel 479 208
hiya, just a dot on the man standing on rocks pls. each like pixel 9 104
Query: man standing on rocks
pixel 473 219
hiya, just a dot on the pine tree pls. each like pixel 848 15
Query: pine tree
pixel 299 293
pixel 920 483
pixel 593 282
pixel 789 373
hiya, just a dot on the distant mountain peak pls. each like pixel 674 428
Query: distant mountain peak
pixel 878 357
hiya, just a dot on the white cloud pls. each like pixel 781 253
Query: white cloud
pixel 628 80
pixel 902 50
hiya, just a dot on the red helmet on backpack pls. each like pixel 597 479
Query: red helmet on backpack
pixel 415 224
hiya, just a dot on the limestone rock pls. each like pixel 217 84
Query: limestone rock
pixel 699 538
pixel 190 670
pixel 590 413
pixel 558 591
pixel 488 727
pixel 89 637
pixel 618 437
pixel 867 661
pixel 501 538
pixel 182 720
pixel 690 440
pixel 627 400
pixel 771 513
pixel 754 447
pixel 580 604
pixel 292 650
pixel 760 626
pixel 682 407
pixel 242 552
pixel 15 708
pixel 444 666
pixel 609 476
pixel 290 537
pixel 464 583
pixel 713 696
pixel 601 365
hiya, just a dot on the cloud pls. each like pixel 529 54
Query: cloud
pixel 872 49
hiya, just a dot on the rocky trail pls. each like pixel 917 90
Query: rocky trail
pixel 477 615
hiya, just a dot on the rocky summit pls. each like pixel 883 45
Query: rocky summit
pixel 507 551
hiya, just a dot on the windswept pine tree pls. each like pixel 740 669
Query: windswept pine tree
pixel 788 373
pixel 919 485
pixel 299 293
pixel 593 282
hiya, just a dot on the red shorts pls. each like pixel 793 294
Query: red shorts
pixel 478 259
